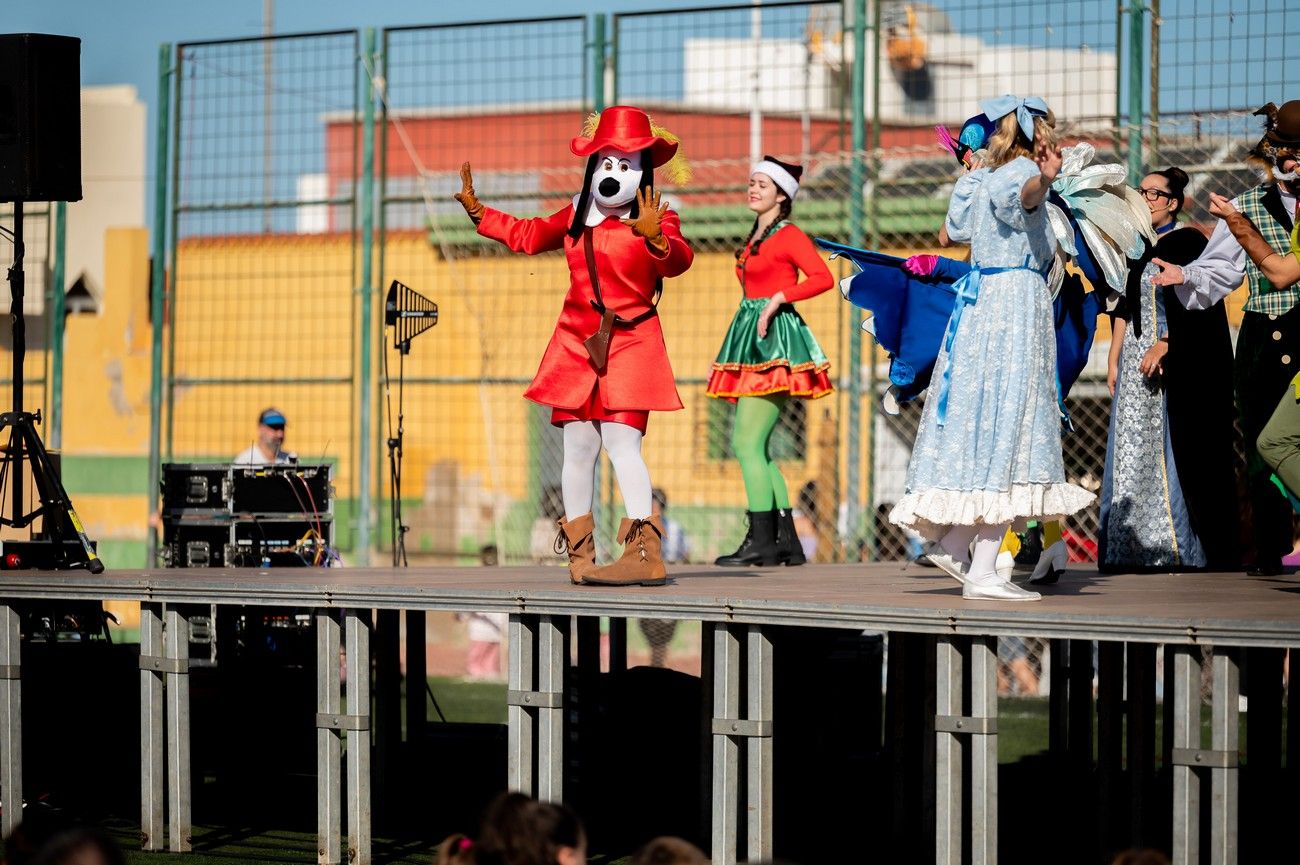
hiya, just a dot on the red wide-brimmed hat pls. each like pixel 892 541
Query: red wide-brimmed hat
pixel 628 129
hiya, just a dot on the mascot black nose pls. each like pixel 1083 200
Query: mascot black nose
pixel 609 187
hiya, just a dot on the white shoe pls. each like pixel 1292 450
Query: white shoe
pixel 1051 563
pixel 997 590
pixel 948 564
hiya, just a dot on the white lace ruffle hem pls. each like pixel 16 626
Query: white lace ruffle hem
pixel 932 512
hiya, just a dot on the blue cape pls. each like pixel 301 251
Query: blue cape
pixel 910 313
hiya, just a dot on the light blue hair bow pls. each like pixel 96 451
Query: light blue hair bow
pixel 1025 109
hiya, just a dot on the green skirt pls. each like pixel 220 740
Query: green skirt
pixel 788 360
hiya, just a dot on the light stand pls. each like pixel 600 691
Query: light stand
pixel 409 314
pixel 59 522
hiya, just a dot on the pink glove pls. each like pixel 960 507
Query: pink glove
pixel 921 265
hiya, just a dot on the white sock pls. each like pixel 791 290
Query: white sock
pixel 578 476
pixel 623 444
pixel 957 542
pixel 983 562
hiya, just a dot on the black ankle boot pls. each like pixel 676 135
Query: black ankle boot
pixel 759 545
pixel 788 548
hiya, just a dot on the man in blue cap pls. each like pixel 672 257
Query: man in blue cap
pixel 268 449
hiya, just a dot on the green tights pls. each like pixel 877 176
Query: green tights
pixel 756 417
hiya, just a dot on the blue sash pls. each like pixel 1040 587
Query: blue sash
pixel 968 289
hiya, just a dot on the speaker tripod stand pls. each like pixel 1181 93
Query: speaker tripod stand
pixel 59 522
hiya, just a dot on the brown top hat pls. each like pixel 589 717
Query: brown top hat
pixel 1285 130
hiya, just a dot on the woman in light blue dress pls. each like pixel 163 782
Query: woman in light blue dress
pixel 988 451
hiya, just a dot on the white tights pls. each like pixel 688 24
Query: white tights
pixel 582 444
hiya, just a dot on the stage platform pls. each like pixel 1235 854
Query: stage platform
pixel 1161 608
pixel 1184 612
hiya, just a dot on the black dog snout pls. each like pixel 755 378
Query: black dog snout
pixel 609 186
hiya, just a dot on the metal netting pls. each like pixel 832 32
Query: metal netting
pixel 270 193
pixel 505 97
pixel 266 262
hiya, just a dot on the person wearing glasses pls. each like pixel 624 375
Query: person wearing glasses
pixel 1268 341
pixel 1168 497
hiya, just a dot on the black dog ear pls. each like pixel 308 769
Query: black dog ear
pixel 1269 113
pixel 584 198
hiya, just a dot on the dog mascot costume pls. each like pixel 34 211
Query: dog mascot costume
pixel 606 367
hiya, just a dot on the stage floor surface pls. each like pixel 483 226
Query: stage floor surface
pixel 1228 608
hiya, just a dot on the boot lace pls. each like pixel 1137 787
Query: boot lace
pixel 561 545
pixel 637 530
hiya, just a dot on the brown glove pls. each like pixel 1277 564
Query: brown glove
pixel 466 196
pixel 649 215
pixel 1249 237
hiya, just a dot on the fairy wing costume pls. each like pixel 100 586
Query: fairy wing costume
pixel 1098 223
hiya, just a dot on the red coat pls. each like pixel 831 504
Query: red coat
pixel 637 375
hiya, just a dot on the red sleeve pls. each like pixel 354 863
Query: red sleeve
pixel 529 236
pixel 679 255
pixel 796 246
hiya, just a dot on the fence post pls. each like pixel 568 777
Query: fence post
pixel 1153 85
pixel 1136 46
pixel 599 53
pixel 159 282
pixel 364 292
pixel 856 177
pixel 58 300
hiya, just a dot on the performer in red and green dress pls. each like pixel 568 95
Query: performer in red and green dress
pixel 770 355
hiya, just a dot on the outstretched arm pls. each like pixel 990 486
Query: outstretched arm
pixel 1035 189
pixel 1281 270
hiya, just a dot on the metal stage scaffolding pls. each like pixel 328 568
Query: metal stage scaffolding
pixel 1187 613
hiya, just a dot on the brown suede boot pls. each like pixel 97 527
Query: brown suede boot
pixel 575 538
pixel 642 563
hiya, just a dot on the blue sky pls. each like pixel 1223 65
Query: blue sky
pixel 1251 59
pixel 120 38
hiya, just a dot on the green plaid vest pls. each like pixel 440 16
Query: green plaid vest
pixel 1263 296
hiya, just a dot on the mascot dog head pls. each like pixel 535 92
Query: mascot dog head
pixel 623 147
pixel 1275 156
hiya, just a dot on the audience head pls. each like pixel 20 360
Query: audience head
pixel 46 839
pixel 519 830
pixel 1145 856
pixel 667 850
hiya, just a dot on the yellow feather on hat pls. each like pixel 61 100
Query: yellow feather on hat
pixel 677 171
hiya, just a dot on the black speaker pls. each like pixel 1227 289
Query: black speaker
pixel 40 117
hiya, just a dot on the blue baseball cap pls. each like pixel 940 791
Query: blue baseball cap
pixel 271 417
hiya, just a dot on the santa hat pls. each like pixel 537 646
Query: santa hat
pixel 784 174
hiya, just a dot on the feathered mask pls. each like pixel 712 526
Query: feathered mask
pixel 1277 144
pixel 973 137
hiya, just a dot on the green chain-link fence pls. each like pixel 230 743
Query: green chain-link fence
pixel 276 268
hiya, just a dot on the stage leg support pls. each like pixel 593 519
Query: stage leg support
pixel 759 756
pixel 176 652
pixel 1225 745
pixel 729 729
pixel 977 731
pixel 535 705
pixel 11 720
pixel 1190 761
pixel 356 641
pixel 329 741
pixel 153 732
